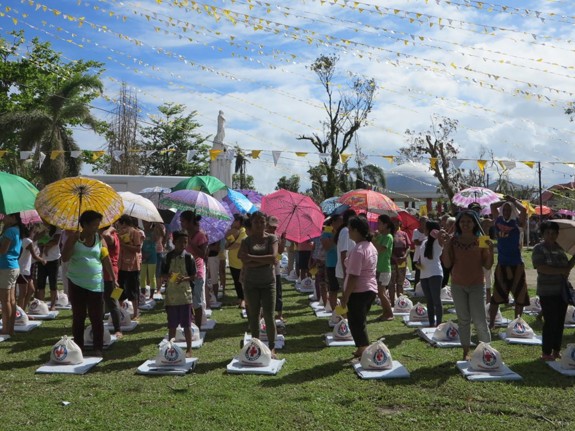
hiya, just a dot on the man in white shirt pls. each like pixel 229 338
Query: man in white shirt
pixel 418 237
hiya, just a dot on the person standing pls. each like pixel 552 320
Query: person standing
pixel 130 261
pixel 401 245
pixel 271 227
pixel 10 247
pixel 466 259
pixel 360 288
pixel 344 245
pixel 432 272
pixel 258 253
pixel 50 253
pixel 419 235
pixel 553 268
pixel 330 247
pixel 234 238
pixel 509 216
pixel 383 243
pixel 25 280
pixel 149 259
pixel 112 240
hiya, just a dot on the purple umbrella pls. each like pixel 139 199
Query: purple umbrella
pixel 198 202
pixel 253 196
pixel 214 229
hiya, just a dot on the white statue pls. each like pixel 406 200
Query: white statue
pixel 220 135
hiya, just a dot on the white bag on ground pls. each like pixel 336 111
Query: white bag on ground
pixel 568 357
pixel 498 316
pixel 335 318
pixel 21 317
pixel 485 358
pixel 376 357
pixel 445 294
pixel 38 307
pixel 341 331
pixel 62 300
pixel 307 283
pixel 125 318
pixel 170 354
pixel 447 331
pixel 402 304
pixel 66 352
pixel 418 313
pixel 128 306
pixel 255 354
pixel 418 291
pixel 519 328
pixel 534 305
pixel 570 315
pixel 89 336
pixel 181 337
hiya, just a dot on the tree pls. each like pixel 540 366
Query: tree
pixel 291 183
pixel 245 182
pixel 368 177
pixel 171 137
pixel 345 116
pixel 437 144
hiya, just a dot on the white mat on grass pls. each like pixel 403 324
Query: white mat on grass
pixel 396 313
pixel 570 325
pixel 414 324
pixel 216 305
pixel 316 305
pixel 280 340
pixel 312 297
pixel 4 337
pixel 244 313
pixel 531 312
pixel 447 302
pixel 150 368
pixel 535 341
pixel 503 323
pixel 208 313
pixel 211 324
pixel 83 368
pixel 557 367
pixel 33 324
pixel 123 328
pixel 158 297
pixel 304 290
pixel 330 341
pixel 427 335
pixel 148 305
pixel 504 373
pixel 50 316
pixel 397 371
pixel 60 307
pixel 196 344
pixel 236 367
pixel 321 313
pixel 113 339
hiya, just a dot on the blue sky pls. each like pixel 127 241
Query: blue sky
pixel 505 70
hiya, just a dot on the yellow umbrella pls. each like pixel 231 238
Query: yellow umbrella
pixel 62 202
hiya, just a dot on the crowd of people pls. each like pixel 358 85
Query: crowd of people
pixel 354 262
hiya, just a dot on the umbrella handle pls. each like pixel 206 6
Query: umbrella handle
pixel 80 209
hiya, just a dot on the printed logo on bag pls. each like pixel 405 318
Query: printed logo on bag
pixel 420 310
pixel 379 357
pixel 18 314
pixel 60 353
pixel 33 306
pixel 171 354
pixel 253 353
pixel 452 333
pixel 489 359
pixel 342 329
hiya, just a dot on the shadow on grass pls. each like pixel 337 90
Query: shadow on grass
pixel 434 376
pixel 539 374
pixel 320 371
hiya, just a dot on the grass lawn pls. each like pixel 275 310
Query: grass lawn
pixel 316 390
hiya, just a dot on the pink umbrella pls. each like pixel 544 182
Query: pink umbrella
pixel 370 201
pixel 299 216
pixel 28 217
pixel 481 195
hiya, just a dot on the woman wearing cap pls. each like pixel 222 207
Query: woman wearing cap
pixel 467 259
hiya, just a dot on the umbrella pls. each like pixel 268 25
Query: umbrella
pixel 543 210
pixel 139 207
pixel 252 195
pixel 565 212
pixel 329 205
pixel 481 195
pixel 214 228
pixel 299 216
pixel 62 202
pixel 369 200
pixel 566 237
pixel 204 183
pixel 154 193
pixel 199 202
pixel 28 217
pixel 239 203
pixel 167 214
pixel 16 194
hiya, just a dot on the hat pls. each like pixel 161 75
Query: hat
pixel 273 221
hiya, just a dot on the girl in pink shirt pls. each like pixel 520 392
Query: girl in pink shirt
pixel 360 287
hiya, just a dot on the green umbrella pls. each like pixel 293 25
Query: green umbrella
pixel 203 183
pixel 16 194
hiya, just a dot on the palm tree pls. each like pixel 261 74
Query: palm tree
pixel 46 128
pixel 369 176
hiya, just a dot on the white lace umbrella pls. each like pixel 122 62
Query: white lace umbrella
pixel 139 207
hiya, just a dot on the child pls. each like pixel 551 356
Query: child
pixel 180 271
pixel 25 280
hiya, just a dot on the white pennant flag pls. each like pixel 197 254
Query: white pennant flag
pixel 456 162
pixel 25 155
pixel 150 152
pixel 230 155
pixel 276 155
pixel 190 156
pixel 41 158
pixel 507 164
pixel 75 154
pixel 116 154
pixel 323 157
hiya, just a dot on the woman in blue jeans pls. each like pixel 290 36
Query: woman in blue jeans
pixel 431 272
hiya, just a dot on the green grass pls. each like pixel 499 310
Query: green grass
pixel 316 390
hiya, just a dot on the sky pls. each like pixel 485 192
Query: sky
pixel 504 70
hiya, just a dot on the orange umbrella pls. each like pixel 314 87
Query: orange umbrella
pixel 543 210
pixel 370 201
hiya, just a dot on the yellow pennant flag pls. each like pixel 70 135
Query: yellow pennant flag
pixel 433 162
pixel 528 163
pixel 389 158
pixel 344 157
pixel 256 154
pixel 300 154
pixel 481 164
pixel 54 154
pixel 97 154
pixel 2 153
pixel 214 154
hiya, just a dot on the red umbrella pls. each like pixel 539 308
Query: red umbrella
pixel 542 210
pixel 370 201
pixel 299 216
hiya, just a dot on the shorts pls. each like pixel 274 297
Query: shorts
pixel 384 278
pixel 179 315
pixel 23 279
pixel 303 260
pixel 198 293
pixel 213 270
pixel 8 278
pixel 503 283
pixel 320 275
pixel 332 283
pixel 130 282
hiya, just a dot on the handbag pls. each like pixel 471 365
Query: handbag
pixel 568 293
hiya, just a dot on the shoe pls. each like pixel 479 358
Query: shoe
pixel 547 358
pixel 556 354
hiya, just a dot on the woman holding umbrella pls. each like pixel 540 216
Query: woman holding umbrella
pixel 10 246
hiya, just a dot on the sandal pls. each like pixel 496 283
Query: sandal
pixel 547 358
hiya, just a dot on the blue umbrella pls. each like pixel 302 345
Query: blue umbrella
pixel 239 203
pixel 329 205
